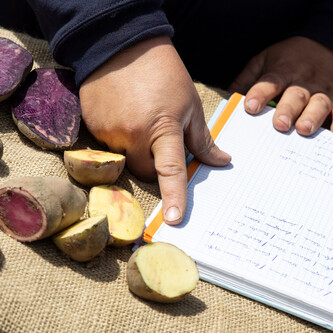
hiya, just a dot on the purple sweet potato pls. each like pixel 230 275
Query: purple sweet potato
pixel 46 108
pixel 15 64
pixel 33 208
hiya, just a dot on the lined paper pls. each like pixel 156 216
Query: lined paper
pixel 267 217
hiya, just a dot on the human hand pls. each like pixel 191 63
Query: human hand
pixel 299 70
pixel 143 103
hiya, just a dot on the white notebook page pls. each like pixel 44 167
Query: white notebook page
pixel 268 217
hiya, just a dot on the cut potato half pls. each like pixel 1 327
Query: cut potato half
pixel 85 239
pixel 125 215
pixel 161 272
pixel 94 167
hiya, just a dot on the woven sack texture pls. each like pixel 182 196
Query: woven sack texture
pixel 43 291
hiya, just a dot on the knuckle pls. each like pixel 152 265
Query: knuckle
pixel 132 131
pixel 165 126
pixel 301 95
pixel 170 168
pixel 323 100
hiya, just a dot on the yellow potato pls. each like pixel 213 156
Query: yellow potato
pixel 161 272
pixel 94 167
pixel 85 239
pixel 125 215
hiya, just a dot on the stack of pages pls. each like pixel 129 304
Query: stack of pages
pixel 263 225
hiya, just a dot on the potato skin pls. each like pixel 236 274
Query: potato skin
pixel 73 200
pixel 84 245
pixel 45 199
pixel 48 194
pixel 137 285
pixel 92 173
pixel 16 63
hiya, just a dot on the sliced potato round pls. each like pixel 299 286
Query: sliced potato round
pixel 94 167
pixel 125 215
pixel 161 272
pixel 85 239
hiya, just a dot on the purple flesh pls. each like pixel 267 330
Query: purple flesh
pixel 48 104
pixel 15 62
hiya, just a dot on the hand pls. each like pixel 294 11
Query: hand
pixel 143 103
pixel 299 70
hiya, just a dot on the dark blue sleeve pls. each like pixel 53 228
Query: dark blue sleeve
pixel 83 34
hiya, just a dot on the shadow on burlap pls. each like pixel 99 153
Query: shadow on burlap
pixel 41 290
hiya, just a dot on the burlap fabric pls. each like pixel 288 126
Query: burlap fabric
pixel 41 290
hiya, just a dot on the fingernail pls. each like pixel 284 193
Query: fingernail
pixel 286 121
pixel 252 105
pixel 172 214
pixel 308 125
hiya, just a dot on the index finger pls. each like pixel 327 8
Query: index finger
pixel 170 165
pixel 267 88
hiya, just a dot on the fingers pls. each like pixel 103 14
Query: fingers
pixel 201 144
pixel 268 87
pixel 169 156
pixel 315 113
pixel 296 70
pixel 291 104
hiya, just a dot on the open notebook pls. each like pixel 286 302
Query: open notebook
pixel 262 226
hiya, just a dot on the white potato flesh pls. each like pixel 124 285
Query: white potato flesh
pixel 166 269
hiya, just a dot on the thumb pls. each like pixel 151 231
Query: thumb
pixel 169 159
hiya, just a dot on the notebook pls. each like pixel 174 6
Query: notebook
pixel 263 225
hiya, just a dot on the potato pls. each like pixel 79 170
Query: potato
pixel 125 215
pixel 33 208
pixel 15 64
pixel 94 167
pixel 161 272
pixel 85 239
pixel 46 108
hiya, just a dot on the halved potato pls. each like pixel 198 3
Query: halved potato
pixel 125 215
pixel 85 239
pixel 161 272
pixel 94 167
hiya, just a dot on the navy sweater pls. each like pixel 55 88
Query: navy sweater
pixel 83 34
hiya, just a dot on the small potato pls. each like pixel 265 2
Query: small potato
pixel 33 208
pixel 84 240
pixel 125 215
pixel 94 167
pixel 161 272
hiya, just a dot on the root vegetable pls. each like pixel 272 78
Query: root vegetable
pixel 73 200
pixel 33 208
pixel 125 215
pixel 46 108
pixel 15 64
pixel 85 239
pixel 161 272
pixel 93 167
